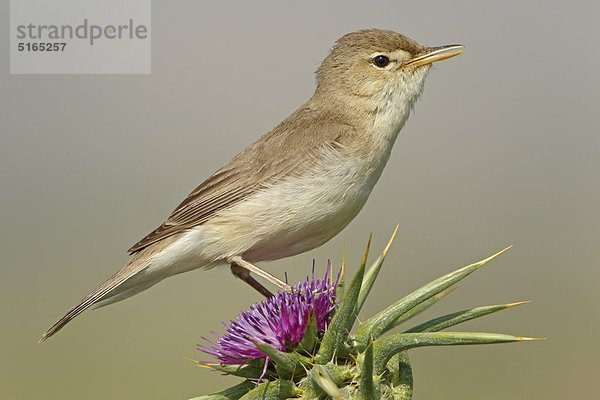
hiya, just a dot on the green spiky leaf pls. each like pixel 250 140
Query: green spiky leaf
pixel 366 385
pixel 386 347
pixel 446 321
pixel 419 308
pixel 310 340
pixel 322 382
pixel 372 273
pixel 276 390
pixel 401 377
pixel 232 393
pixel 252 370
pixel 286 364
pixel 344 317
pixel 385 320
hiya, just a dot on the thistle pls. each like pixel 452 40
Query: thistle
pixel 300 343
pixel 280 322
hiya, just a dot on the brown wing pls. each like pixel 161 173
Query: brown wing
pixel 260 164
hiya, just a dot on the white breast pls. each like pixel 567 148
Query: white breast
pixel 292 216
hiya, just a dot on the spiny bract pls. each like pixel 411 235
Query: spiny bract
pixel 330 362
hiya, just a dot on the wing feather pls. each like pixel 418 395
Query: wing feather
pixel 258 166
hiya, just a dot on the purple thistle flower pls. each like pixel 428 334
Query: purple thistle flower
pixel 279 322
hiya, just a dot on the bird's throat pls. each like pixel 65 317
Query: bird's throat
pixel 395 103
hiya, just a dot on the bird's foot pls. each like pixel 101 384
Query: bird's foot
pixel 242 269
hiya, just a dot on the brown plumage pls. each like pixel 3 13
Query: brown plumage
pixel 254 168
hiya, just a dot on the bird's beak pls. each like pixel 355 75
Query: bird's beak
pixel 436 54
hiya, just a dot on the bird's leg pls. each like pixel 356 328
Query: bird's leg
pixel 244 274
pixel 242 264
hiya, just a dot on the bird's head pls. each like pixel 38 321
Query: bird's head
pixel 382 68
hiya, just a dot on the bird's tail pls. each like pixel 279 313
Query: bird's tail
pixel 110 291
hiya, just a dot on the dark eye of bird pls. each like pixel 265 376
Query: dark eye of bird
pixel 380 61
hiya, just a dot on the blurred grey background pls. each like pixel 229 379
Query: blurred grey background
pixel 503 148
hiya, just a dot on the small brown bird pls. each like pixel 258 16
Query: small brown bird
pixel 300 184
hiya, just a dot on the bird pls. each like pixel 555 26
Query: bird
pixel 298 185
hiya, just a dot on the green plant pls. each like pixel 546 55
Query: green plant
pixel 330 361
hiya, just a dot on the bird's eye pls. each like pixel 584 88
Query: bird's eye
pixel 380 61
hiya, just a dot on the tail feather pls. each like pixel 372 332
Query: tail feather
pixel 131 269
pixel 123 293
